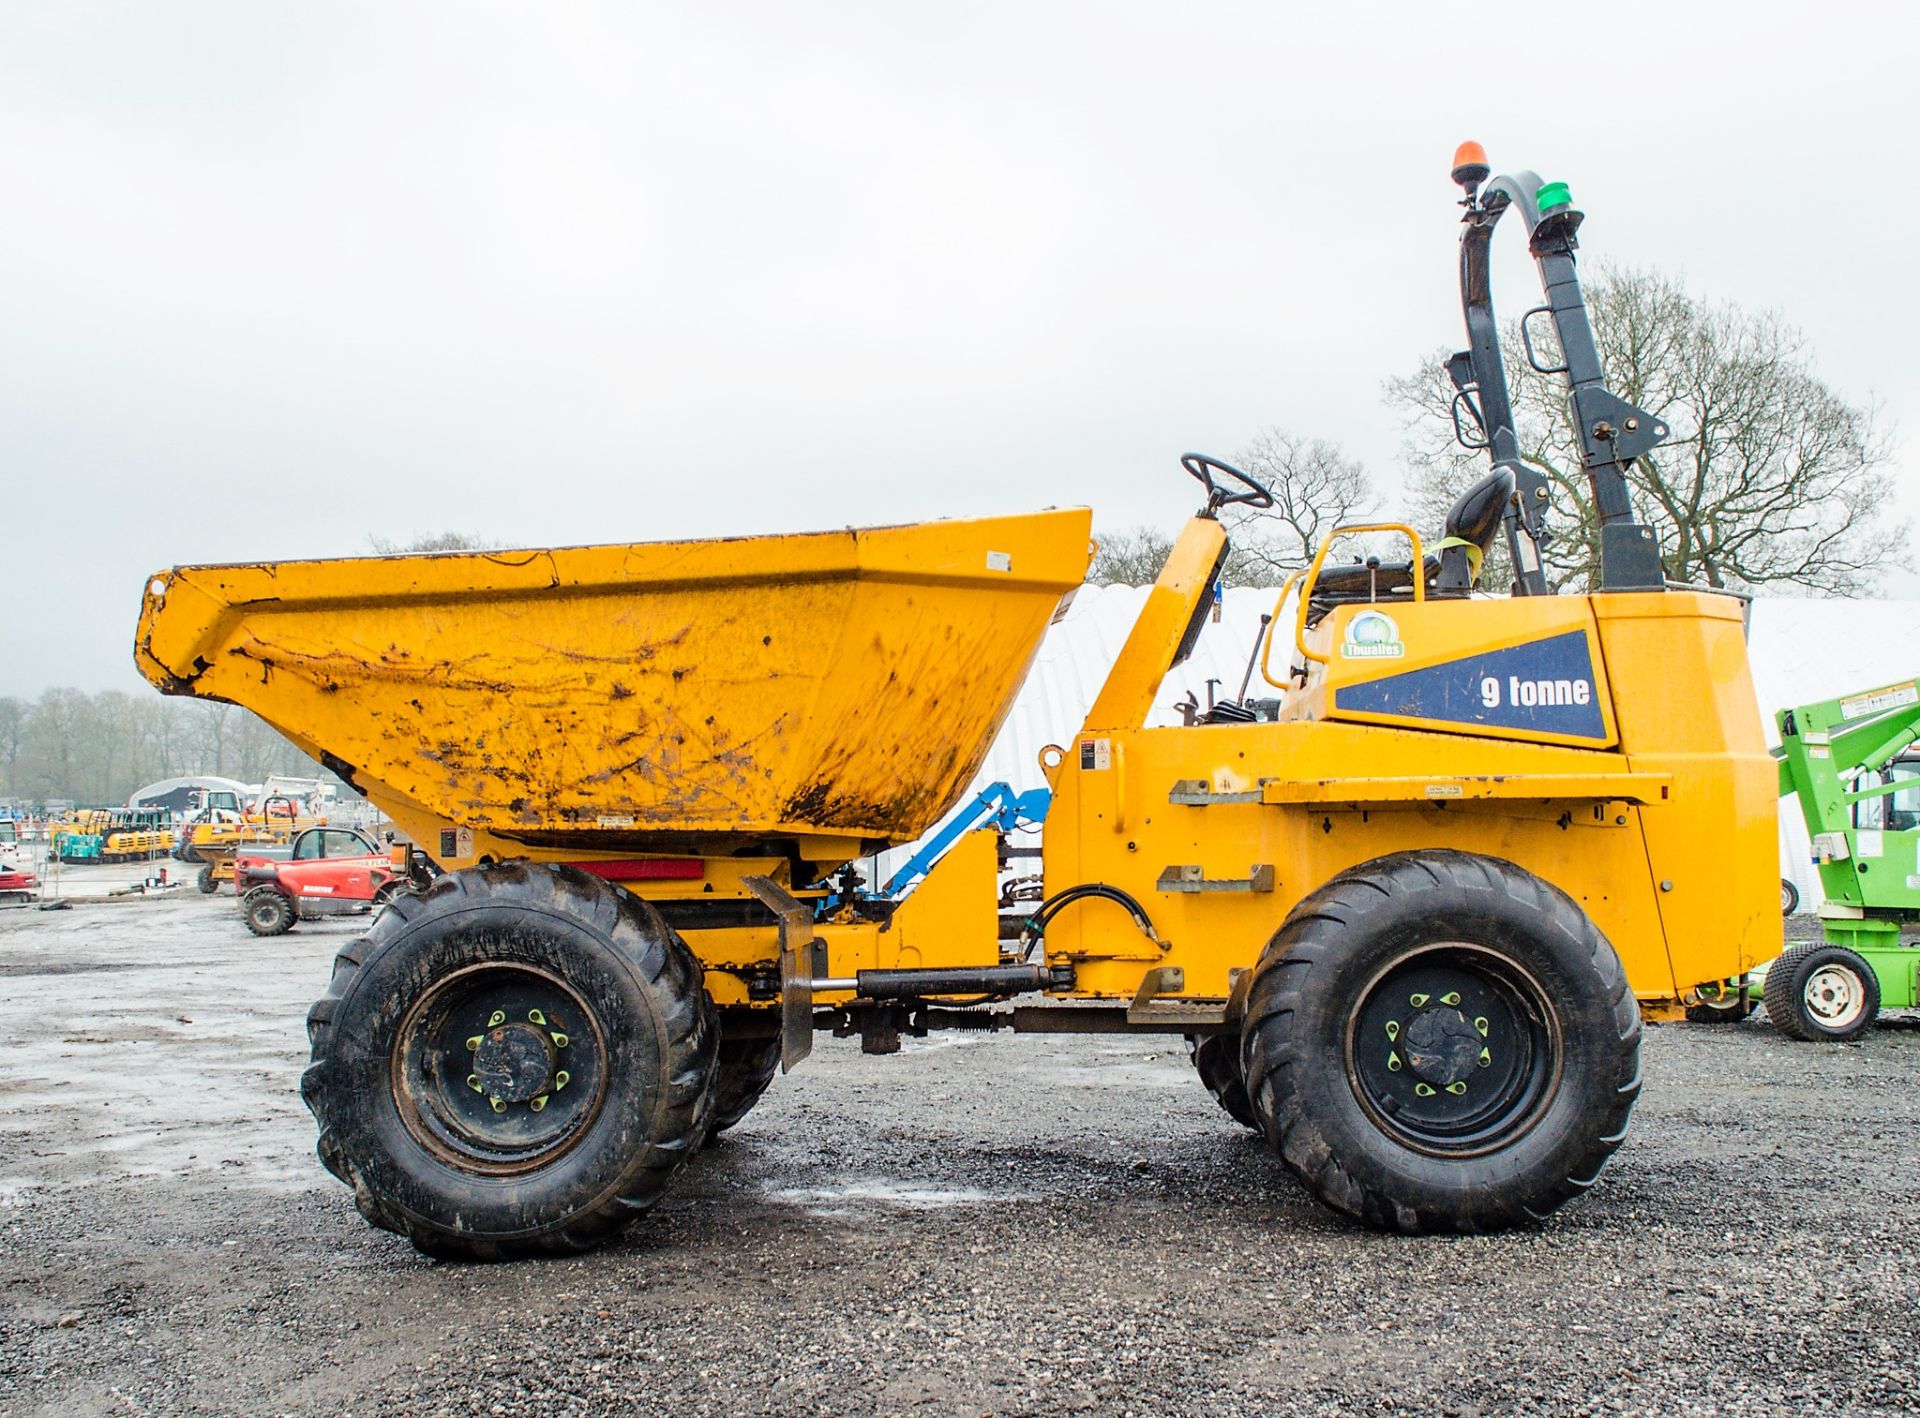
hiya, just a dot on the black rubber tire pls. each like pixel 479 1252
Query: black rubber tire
pixel 744 1070
pixel 204 880
pixel 267 912
pixel 649 1019
pixel 1216 1058
pixel 1789 897
pixel 1320 971
pixel 1786 992
pixel 1732 1012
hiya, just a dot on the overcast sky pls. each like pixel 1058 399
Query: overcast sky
pixel 275 277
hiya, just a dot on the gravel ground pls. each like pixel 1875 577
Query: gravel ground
pixel 977 1226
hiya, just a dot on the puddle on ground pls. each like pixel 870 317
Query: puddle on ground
pixel 878 1191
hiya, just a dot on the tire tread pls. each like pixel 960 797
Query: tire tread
pixel 685 1014
pixel 1311 936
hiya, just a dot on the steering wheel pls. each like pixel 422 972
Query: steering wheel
pixel 1202 468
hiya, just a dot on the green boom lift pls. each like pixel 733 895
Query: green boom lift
pixel 1859 790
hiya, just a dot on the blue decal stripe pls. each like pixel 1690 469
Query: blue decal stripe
pixel 1544 686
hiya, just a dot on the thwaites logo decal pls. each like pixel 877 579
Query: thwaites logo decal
pixel 1372 635
pixel 1545 686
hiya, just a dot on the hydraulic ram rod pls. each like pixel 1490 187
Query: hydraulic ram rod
pixel 960 980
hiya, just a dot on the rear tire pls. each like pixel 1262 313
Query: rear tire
pixel 1730 1013
pixel 267 912
pixel 743 1072
pixel 1822 992
pixel 1732 1005
pixel 513 1062
pixel 1216 1057
pixel 1520 1036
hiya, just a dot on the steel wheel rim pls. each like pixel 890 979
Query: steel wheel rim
pixel 1453 1050
pixel 472 1122
pixel 1835 996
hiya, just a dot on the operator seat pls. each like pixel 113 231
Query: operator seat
pixel 1449 571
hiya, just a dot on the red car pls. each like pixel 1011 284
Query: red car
pixel 331 871
pixel 15 882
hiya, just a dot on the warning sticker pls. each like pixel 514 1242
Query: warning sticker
pixel 1096 755
pixel 1878 701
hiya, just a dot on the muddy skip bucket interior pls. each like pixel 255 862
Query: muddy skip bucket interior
pixel 831 683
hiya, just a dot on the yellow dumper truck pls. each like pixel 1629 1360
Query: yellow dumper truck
pixel 1404 923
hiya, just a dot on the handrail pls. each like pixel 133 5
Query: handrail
pixel 1419 575
pixel 1266 653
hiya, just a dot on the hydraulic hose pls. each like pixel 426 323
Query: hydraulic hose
pixel 1036 926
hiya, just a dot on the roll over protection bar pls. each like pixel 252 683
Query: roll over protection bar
pixel 1613 432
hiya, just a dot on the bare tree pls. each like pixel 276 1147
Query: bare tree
pixel 98 748
pixel 1768 478
pixel 1315 487
pixel 429 541
pixel 13 723
pixel 1131 558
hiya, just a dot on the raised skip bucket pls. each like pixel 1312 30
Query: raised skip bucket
pixel 844 683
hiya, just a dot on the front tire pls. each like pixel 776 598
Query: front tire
pixel 513 1062
pixel 204 880
pixel 267 912
pixel 1437 1041
pixel 1822 992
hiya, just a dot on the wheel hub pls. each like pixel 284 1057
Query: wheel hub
pixel 514 1062
pixel 499 1068
pixel 1452 1050
pixel 1442 1045
pixel 1833 996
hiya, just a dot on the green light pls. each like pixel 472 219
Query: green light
pixel 1552 196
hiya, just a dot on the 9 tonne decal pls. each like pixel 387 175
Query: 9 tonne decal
pixel 1544 687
